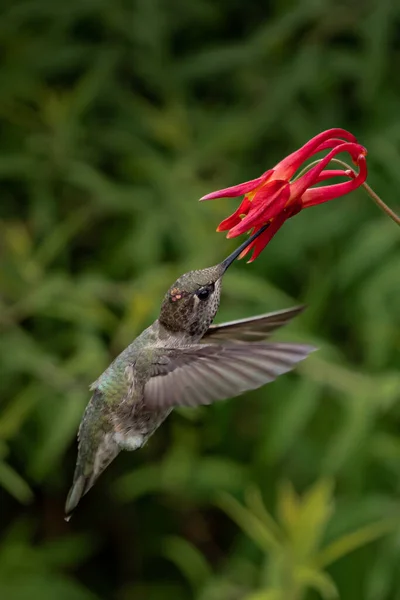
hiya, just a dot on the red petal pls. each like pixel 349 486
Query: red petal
pixel 331 143
pixel 251 246
pixel 289 165
pixel 267 193
pixel 329 192
pixel 271 201
pixel 331 173
pixel 235 218
pixel 238 190
pixel 298 187
pixel 259 244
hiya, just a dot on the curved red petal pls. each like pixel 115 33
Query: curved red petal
pixel 267 207
pixel 331 143
pixel 298 187
pixel 331 173
pixel 259 244
pixel 329 192
pixel 268 192
pixel 235 217
pixel 240 189
pixel 289 165
pixel 251 246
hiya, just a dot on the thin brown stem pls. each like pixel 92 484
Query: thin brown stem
pixel 378 201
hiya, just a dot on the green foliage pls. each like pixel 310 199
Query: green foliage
pixel 115 118
pixel 295 561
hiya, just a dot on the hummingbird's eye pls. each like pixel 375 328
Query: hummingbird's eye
pixel 204 292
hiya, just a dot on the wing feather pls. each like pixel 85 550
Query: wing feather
pixel 202 374
pixel 253 329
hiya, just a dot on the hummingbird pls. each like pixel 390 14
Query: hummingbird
pixel 179 360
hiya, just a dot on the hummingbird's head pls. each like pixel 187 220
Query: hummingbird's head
pixel 191 303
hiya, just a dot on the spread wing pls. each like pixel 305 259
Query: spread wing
pixel 253 329
pixel 201 374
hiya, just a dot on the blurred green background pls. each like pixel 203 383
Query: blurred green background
pixel 115 118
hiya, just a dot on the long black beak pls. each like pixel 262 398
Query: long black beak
pixel 232 257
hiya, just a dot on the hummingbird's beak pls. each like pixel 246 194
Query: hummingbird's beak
pixel 232 257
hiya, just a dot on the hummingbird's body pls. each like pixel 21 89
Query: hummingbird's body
pixel 180 360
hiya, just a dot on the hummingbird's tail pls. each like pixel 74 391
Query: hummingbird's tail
pixel 79 488
pixel 86 474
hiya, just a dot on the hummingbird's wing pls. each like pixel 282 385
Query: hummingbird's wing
pixel 201 374
pixel 253 329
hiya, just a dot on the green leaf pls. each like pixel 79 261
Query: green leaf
pixel 265 595
pixel 188 559
pixel 249 523
pixel 256 505
pixel 357 539
pixel 15 484
pixel 288 506
pixel 307 523
pixel 321 582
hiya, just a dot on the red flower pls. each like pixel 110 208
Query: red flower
pixel 275 196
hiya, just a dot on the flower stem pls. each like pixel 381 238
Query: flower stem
pixel 378 201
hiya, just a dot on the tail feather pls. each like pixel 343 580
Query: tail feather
pixel 79 488
pixel 86 474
